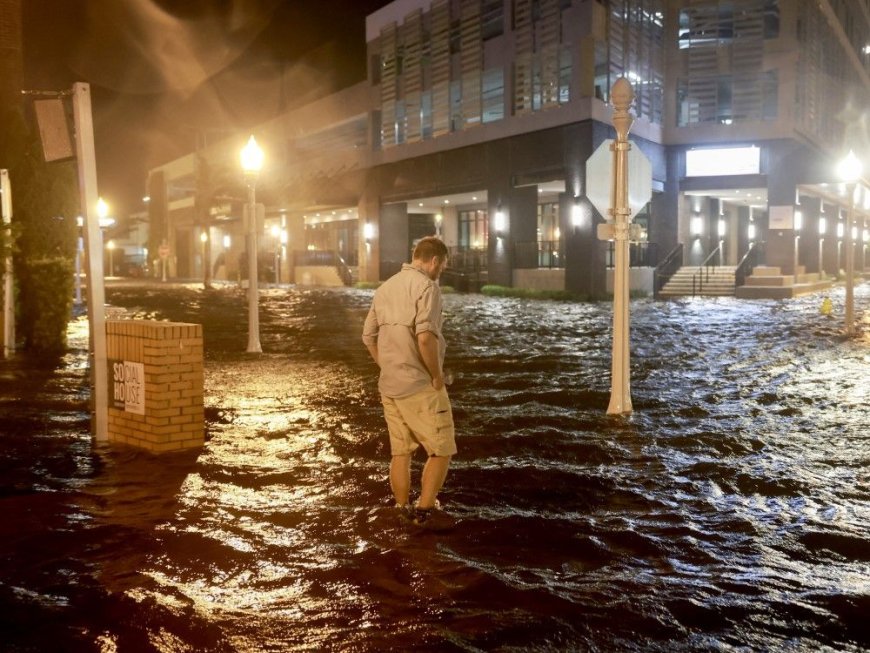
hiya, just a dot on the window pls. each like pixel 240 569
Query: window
pixel 549 236
pixel 473 230
pixel 492 19
pixel 493 94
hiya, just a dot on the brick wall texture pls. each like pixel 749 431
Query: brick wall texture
pixel 172 355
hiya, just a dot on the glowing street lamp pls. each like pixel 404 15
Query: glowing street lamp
pixel 252 162
pixel 849 170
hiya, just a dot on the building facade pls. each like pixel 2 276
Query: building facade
pixel 477 118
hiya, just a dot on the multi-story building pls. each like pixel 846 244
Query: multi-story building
pixel 477 117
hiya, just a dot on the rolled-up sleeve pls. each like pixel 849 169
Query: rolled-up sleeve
pixel 370 328
pixel 428 311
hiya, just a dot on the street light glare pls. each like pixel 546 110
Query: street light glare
pixel 252 156
pixel 850 168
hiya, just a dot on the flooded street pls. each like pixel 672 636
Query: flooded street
pixel 731 512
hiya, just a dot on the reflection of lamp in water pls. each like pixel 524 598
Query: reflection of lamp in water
pixel 850 170
pixel 252 162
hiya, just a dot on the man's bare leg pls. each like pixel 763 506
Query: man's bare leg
pixel 434 473
pixel 400 478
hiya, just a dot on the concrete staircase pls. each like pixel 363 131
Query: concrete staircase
pixel 768 282
pixel 719 282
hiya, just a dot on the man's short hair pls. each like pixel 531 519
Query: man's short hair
pixel 430 247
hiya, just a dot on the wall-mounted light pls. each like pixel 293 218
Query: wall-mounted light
pixel 750 231
pixel 798 220
pixel 722 228
pixel 576 216
pixel 368 231
pixel 866 235
pixel 854 234
pixel 283 236
pixel 203 237
pixel 227 241
pixel 696 226
pixel 500 222
pixel 841 230
pixel 823 225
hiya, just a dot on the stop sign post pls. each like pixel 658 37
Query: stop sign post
pixel 619 184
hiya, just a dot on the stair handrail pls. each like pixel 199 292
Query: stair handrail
pixel 749 261
pixel 704 270
pixel 667 268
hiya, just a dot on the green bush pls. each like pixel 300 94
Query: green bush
pixel 46 294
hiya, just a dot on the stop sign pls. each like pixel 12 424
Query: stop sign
pixel 599 179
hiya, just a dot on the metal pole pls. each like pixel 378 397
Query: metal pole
pixel 8 280
pixel 850 264
pixel 253 294
pixel 87 168
pixel 620 388
pixel 80 245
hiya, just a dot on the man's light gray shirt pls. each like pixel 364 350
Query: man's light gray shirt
pixel 405 305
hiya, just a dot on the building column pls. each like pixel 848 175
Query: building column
pixel 368 210
pixel 811 242
pixel 393 238
pixel 781 192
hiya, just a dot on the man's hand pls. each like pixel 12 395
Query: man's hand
pixel 428 345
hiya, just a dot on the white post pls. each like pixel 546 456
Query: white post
pixel 252 161
pixel 850 263
pixel 620 386
pixel 253 292
pixel 8 285
pixel 87 167
pixel 80 245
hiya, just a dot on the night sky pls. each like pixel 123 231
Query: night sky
pixel 164 73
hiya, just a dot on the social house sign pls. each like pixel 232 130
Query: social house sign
pixel 127 391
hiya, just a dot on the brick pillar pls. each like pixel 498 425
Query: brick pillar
pixel 156 384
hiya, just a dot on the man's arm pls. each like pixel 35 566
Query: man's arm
pixel 370 334
pixel 427 342
pixel 373 350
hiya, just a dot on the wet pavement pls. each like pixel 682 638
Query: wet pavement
pixel 729 513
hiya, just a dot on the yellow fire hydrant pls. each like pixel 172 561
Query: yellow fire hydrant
pixel 827 306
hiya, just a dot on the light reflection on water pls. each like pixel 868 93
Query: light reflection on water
pixel 729 512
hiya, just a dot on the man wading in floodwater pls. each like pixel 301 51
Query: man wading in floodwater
pixel 403 334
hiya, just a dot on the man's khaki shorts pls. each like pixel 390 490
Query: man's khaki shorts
pixel 423 419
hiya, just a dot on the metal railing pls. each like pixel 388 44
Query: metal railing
pixel 667 268
pixel 536 254
pixel 750 260
pixel 325 258
pixel 703 273
pixel 640 254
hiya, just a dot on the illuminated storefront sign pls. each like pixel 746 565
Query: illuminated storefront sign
pixel 723 161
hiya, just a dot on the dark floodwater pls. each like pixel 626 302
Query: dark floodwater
pixel 730 513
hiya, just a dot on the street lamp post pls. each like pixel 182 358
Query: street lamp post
pixel 111 247
pixel 850 170
pixel 203 238
pixel 252 162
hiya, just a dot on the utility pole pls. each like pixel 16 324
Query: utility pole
pixel 87 168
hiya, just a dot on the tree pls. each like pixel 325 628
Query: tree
pixel 45 207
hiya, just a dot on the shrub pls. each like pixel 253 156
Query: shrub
pixel 46 294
